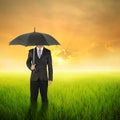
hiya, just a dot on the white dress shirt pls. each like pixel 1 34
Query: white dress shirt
pixel 41 50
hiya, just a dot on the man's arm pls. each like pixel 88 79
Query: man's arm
pixel 29 59
pixel 50 68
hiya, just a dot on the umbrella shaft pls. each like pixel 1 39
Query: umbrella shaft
pixel 33 62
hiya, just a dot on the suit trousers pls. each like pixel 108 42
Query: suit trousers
pixel 35 86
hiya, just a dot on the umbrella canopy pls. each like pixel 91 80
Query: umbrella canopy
pixel 34 38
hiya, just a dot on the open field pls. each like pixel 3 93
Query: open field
pixel 72 96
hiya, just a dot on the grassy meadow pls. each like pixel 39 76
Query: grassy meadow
pixel 72 96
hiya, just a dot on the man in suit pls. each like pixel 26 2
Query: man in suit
pixel 41 73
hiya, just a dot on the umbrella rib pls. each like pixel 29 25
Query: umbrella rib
pixel 45 39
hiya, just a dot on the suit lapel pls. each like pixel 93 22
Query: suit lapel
pixel 43 53
pixel 36 53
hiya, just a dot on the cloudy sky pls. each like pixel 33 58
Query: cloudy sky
pixel 89 30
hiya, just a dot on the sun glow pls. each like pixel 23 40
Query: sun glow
pixel 60 60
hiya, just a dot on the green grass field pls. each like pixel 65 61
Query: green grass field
pixel 72 96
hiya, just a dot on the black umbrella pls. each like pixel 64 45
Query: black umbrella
pixel 34 38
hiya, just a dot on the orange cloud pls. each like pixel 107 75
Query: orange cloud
pixel 89 30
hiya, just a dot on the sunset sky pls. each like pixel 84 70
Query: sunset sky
pixel 88 30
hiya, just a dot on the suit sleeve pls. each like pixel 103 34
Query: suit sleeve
pixel 29 59
pixel 50 67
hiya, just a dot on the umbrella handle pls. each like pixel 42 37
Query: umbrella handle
pixel 33 62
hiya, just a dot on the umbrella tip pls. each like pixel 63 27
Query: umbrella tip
pixel 34 29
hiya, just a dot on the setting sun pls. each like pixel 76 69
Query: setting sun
pixel 60 60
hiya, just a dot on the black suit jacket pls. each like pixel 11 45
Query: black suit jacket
pixel 44 70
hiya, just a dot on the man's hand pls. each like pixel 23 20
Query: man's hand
pixel 49 82
pixel 33 66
